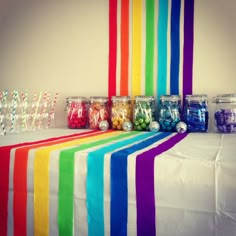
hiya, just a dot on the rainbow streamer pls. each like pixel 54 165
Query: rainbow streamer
pixel 154 45
pixel 137 47
pixel 162 48
pixel 188 47
pixel 149 66
pixel 124 73
pixel 55 205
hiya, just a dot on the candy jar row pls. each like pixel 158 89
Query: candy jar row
pixel 142 113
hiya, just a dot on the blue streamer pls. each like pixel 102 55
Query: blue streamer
pixel 175 47
pixel 119 185
pixel 162 48
pixel 95 183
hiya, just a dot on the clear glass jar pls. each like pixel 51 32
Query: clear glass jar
pixel 77 112
pixel 225 113
pixel 98 111
pixel 169 112
pixel 195 113
pixel 144 112
pixel 121 111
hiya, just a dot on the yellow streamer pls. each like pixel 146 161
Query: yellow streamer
pixel 41 180
pixel 137 47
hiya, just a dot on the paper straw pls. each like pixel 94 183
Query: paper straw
pixel 32 106
pixel 43 110
pixel 1 116
pixel 36 109
pixel 13 117
pixel 52 109
pixel 2 126
pixel 24 98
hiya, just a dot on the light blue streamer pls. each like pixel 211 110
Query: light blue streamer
pixel 162 48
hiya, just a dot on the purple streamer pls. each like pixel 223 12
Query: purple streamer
pixel 145 192
pixel 188 47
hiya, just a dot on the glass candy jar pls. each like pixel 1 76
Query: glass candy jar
pixel 121 111
pixel 195 112
pixel 169 112
pixel 225 113
pixel 98 111
pixel 77 112
pixel 144 112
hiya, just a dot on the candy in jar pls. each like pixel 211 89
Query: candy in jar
pixel 225 113
pixel 98 111
pixel 77 112
pixel 169 112
pixel 144 112
pixel 121 111
pixel 195 113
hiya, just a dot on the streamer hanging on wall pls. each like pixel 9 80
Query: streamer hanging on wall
pixel 151 49
pixel 112 48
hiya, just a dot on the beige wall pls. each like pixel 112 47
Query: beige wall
pixel 63 46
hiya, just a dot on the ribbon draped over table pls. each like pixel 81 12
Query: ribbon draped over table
pixel 46 196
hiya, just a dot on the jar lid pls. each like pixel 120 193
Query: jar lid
pixel 144 98
pixel 196 97
pixel 76 99
pixel 225 98
pixel 98 99
pixel 170 98
pixel 121 98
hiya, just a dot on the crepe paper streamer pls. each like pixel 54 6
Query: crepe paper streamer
pixel 162 48
pixel 124 35
pixel 149 85
pixel 41 181
pixel 136 47
pixel 66 180
pixel 51 114
pixel 20 180
pixel 188 47
pixel 112 48
pixel 119 183
pixel 175 47
pixel 145 192
pixel 5 171
pixel 95 182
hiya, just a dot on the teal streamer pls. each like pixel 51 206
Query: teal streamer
pixel 162 48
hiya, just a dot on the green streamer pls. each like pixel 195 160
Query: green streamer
pixel 149 85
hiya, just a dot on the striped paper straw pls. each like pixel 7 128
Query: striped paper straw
pixel 2 125
pixel 36 110
pixel 24 99
pixel 51 114
pixel 13 113
pixel 43 110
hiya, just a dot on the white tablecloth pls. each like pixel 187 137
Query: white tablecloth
pixel 195 186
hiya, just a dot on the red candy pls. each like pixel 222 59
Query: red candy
pixel 77 117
